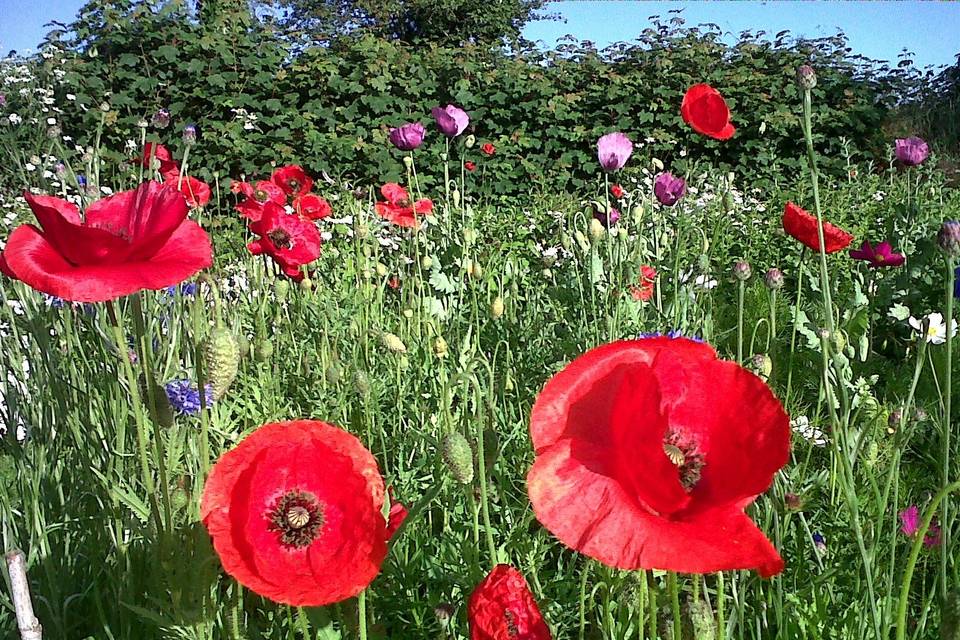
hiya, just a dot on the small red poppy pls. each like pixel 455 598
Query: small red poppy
pixel 161 156
pixel 488 148
pixel 398 208
pixel 803 226
pixel 644 290
pixel 616 191
pixel 133 240
pixel 290 240
pixel 196 192
pixel 469 166
pixel 256 196
pixel 292 179
pixel 502 608
pixel 704 109
pixel 647 453
pixel 294 511
pixel 312 207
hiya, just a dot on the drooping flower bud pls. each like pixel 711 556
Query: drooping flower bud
pixel 496 308
pixel 773 279
pixel 762 365
pixel 469 141
pixel 393 343
pixel 189 135
pixel 458 456
pixel 596 229
pixel 806 77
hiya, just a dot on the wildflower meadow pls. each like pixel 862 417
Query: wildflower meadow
pixel 455 354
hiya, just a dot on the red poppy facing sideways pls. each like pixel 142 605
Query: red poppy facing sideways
pixel 290 240
pixel 398 208
pixel 647 453
pixel 256 196
pixel 704 109
pixel 488 148
pixel 311 207
pixel 502 608
pixel 294 511
pixel 139 239
pixel 197 192
pixel 803 226
pixel 293 180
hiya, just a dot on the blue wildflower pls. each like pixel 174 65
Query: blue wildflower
pixel 184 396
pixel 673 334
pixel 82 180
pixel 188 289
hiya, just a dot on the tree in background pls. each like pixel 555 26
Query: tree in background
pixel 443 22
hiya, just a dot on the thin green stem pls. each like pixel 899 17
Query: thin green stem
pixel 362 614
pixel 674 589
pixel 583 600
pixel 741 286
pixel 947 398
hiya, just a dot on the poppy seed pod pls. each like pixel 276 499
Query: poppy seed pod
pixel 458 456
pixel 948 238
pixel 806 77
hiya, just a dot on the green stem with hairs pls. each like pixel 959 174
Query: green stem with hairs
pixel 945 441
pixel 674 590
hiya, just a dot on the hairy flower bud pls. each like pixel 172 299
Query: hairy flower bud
pixel 806 77
pixel 393 343
pixel 458 456
pixel 221 358
pixel 742 270
pixel 773 279
pixel 948 238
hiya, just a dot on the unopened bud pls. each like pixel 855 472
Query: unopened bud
pixel 742 270
pixel 393 343
pixel 806 77
pixel 773 279
pixel 596 229
pixel 496 307
pixel 949 238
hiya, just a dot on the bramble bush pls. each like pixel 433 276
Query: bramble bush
pixel 255 96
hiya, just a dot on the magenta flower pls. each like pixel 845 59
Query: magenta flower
pixel 613 150
pixel 669 188
pixel 407 137
pixel 880 256
pixel 911 151
pixel 910 524
pixel 451 120
pixel 605 220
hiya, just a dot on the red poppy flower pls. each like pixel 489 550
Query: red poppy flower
pixel 469 166
pixel 488 148
pixel 803 226
pixel 616 191
pixel 704 109
pixel 502 608
pixel 398 209
pixel 290 240
pixel 161 155
pixel 647 453
pixel 292 179
pixel 295 515
pixel 196 192
pixel 644 290
pixel 130 241
pixel 312 207
pixel 257 195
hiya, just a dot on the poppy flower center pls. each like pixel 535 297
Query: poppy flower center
pixel 293 184
pixel 685 457
pixel 403 202
pixel 297 517
pixel 261 195
pixel 281 239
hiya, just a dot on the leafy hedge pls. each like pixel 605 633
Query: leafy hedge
pixel 330 107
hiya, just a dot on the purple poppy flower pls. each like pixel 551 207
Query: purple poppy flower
pixel 910 525
pixel 451 120
pixel 669 188
pixel 407 137
pixel 880 256
pixel 614 150
pixel 605 220
pixel 911 151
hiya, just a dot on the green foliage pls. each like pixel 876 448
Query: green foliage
pixel 258 101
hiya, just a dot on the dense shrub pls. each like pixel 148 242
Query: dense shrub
pixel 256 100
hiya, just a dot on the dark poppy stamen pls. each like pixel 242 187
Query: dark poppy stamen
pixel 297 517
pixel 512 630
pixel 685 457
pixel 261 195
pixel 281 239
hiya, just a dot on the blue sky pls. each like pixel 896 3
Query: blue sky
pixel 876 29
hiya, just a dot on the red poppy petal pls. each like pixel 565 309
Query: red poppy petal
pixel 36 262
pixel 250 209
pixel 400 216
pixel 146 216
pixel 394 193
pixel 502 607
pixel 78 243
pixel 726 133
pixel 803 226
pixel 592 514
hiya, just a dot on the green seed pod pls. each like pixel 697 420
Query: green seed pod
pixel 361 382
pixel 281 288
pixel 306 284
pixel 408 313
pixel 243 346
pixel 221 357
pixel 426 262
pixel 458 456
pixel 702 620
pixel 950 617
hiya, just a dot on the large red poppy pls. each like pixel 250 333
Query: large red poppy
pixel 647 453
pixel 704 109
pixel 295 514
pixel 502 608
pixel 256 195
pixel 803 226
pixel 311 206
pixel 290 240
pixel 398 208
pixel 133 240
pixel 293 180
